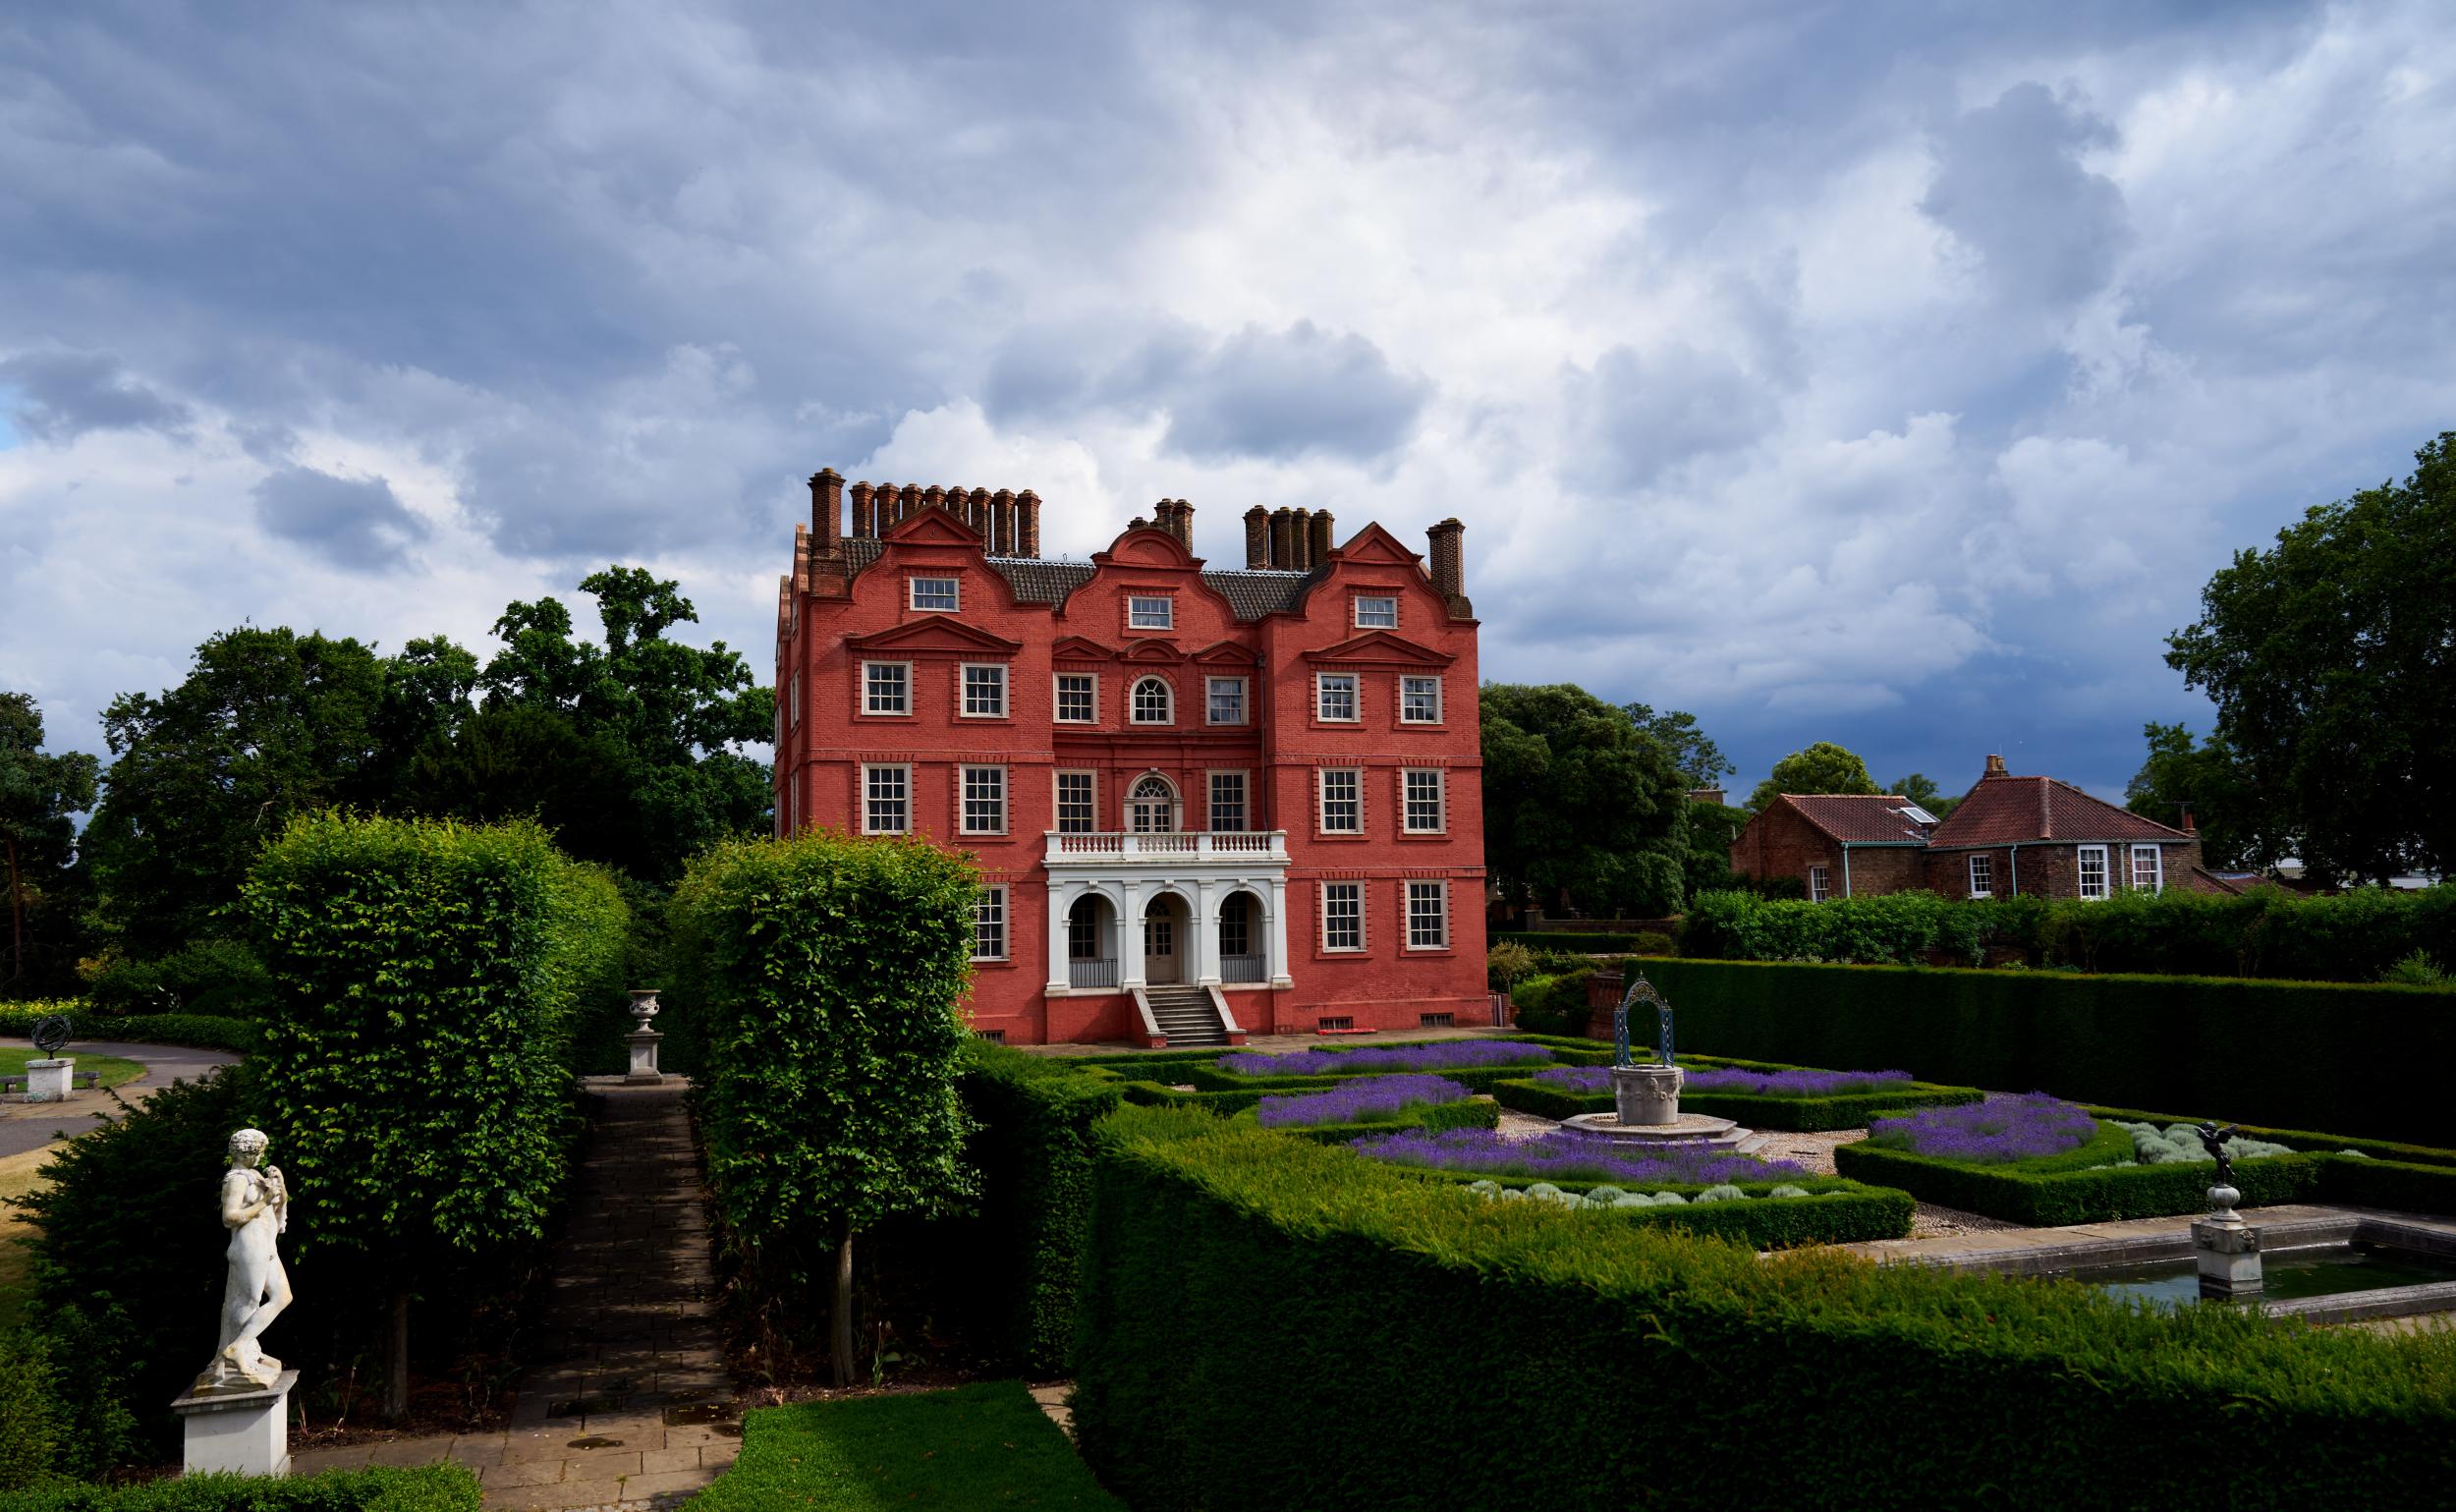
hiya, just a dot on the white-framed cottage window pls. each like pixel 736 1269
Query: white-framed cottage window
pixel 2092 859
pixel 1342 801
pixel 1228 801
pixel 990 924
pixel 1077 698
pixel 886 800
pixel 1152 697
pixel 1983 876
pixel 1342 916
pixel 1334 697
pixel 1818 890
pixel 886 688
pixel 984 690
pixel 2148 868
pixel 985 800
pixel 939 593
pixel 1427 916
pixel 1077 812
pixel 1376 613
pixel 795 698
pixel 1420 700
pixel 1154 612
pixel 1420 788
pixel 1226 700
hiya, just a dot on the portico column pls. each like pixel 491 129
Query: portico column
pixel 1130 942
pixel 1207 936
pixel 1061 904
pixel 1279 933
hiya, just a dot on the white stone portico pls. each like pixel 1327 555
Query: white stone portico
pixel 1125 873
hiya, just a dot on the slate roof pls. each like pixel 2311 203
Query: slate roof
pixel 2005 810
pixel 1860 819
pixel 1038 581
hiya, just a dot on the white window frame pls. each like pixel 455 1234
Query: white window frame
pixel 1211 695
pixel 795 699
pixel 1354 777
pixel 964 690
pixel 2156 866
pixel 1091 815
pixel 1245 798
pixel 1355 918
pixel 1441 801
pixel 1137 608
pixel 1355 697
pixel 1171 799
pixel 1418 677
pixel 904 678
pixel 1361 599
pixel 1057 696
pixel 2081 859
pixel 913 593
pixel 1819 884
pixel 1134 701
pixel 870 825
pixel 1439 892
pixel 964 775
pixel 1982 872
pixel 989 914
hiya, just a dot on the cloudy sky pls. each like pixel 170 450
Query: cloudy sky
pixel 1891 373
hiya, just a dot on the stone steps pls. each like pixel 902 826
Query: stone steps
pixel 1186 1016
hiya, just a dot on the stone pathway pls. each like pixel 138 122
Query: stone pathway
pixel 32 1126
pixel 627 1402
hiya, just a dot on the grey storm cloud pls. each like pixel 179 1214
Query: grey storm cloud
pixel 1636 414
pixel 59 396
pixel 357 522
pixel 2010 185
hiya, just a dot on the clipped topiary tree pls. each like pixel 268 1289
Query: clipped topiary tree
pixel 415 1078
pixel 826 973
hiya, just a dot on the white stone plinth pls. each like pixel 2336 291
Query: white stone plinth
pixel 243 1432
pixel 643 1043
pixel 48 1081
pixel 2227 1251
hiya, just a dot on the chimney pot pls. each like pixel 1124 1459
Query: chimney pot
pixel 1185 524
pixel 2188 827
pixel 976 513
pixel 1002 522
pixel 1028 520
pixel 862 526
pixel 1449 565
pixel 1257 538
pixel 826 511
pixel 1282 539
pixel 908 503
pixel 1995 767
pixel 1320 552
pixel 1301 537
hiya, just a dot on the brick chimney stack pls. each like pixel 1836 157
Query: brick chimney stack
pixel 1282 549
pixel 1322 542
pixel 826 511
pixel 1028 520
pixel 2188 827
pixel 862 528
pixel 1184 523
pixel 1449 565
pixel 933 497
pixel 1301 537
pixel 1164 516
pixel 1257 538
pixel 1995 767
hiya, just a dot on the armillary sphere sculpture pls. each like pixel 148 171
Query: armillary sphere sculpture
pixel 51 1032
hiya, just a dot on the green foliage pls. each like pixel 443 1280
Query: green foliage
pixel 426 1489
pixel 1555 1005
pixel 214 976
pixel 1713 827
pixel 826 973
pixel 2208 779
pixel 1845 1110
pixel 1699 761
pixel 1239 1281
pixel 1839 1212
pixel 2292 1054
pixel 34 1425
pixel 1651 942
pixel 416 1074
pixel 1577 800
pixel 1921 788
pixel 2048 1197
pixel 40 796
pixel 2418 970
pixel 2326 656
pixel 237 1036
pixel 1505 963
pixel 981 1445
pixel 1427 1118
pixel 1554 948
pixel 1824 767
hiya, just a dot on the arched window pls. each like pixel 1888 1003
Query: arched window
pixel 1151 805
pixel 1151 702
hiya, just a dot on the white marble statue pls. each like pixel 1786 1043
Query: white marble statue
pixel 255 1208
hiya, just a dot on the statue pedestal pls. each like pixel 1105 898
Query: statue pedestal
pixel 49 1080
pixel 643 1043
pixel 243 1432
pixel 2227 1249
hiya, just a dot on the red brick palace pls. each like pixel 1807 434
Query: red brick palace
pixel 1204 802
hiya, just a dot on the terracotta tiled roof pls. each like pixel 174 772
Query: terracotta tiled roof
pixel 2004 810
pixel 1862 819
pixel 1038 581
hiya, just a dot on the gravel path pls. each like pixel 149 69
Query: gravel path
pixel 33 1125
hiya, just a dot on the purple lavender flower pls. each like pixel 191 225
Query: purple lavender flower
pixel 1449 1055
pixel 1991 1133
pixel 1376 1096
pixel 1571 1154
pixel 1764 1083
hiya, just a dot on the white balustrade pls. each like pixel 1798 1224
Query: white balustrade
pixel 1168 847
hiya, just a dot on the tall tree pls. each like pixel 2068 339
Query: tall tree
pixel 2328 658
pixel 1577 800
pixel 2204 780
pixel 1701 761
pixel 1824 767
pixel 1921 788
pixel 40 796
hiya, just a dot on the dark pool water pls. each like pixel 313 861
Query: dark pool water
pixel 2319 1272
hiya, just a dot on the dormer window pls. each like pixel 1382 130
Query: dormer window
pixel 1377 613
pixel 1154 612
pixel 938 593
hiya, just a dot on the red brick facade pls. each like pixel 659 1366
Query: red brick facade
pixel 1091 732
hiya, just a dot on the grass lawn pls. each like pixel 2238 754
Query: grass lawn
pixel 17 1178
pixel 986 1445
pixel 115 1071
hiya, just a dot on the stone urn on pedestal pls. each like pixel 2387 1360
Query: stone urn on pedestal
pixel 644 1039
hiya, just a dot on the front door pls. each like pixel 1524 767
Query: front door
pixel 1159 944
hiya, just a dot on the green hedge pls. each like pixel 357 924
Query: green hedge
pixel 1239 1283
pixel 1807 1115
pixel 1837 1211
pixel 1571 940
pixel 2054 1199
pixel 1472 1113
pixel 2309 1055
pixel 1032 1144
pixel 426 1489
pixel 2299 1141
pixel 199 1031
pixel 2267 932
